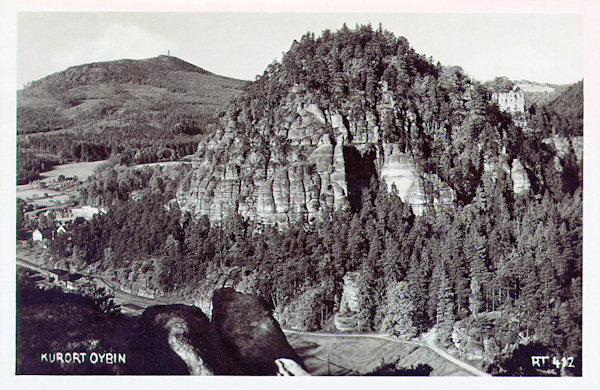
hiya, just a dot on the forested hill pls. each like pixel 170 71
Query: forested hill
pixel 354 104
pixel 145 110
pixel 562 114
pixel 151 71
pixel 118 90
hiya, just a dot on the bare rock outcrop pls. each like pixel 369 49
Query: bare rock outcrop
pixel 350 293
pixel 185 332
pixel 418 189
pixel 250 333
pixel 561 145
pixel 345 319
pixel 518 175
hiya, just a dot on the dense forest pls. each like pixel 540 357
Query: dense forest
pixel 130 145
pixel 507 266
pixel 522 259
pixel 30 166
pixel 560 115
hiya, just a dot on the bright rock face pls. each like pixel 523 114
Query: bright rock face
pixel 350 293
pixel 345 319
pixel 561 145
pixel 518 175
pixel 400 171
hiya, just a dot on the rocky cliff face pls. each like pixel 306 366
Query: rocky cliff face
pixel 415 188
pixel 292 177
pixel 307 168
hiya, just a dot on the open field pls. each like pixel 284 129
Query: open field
pixel 81 169
pixel 47 192
pixel 42 197
pixel 355 354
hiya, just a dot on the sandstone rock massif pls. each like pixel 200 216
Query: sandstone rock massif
pixel 309 134
pixel 306 169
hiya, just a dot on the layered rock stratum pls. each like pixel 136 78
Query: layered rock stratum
pixel 314 175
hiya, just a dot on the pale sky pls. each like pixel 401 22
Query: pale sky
pixel 536 47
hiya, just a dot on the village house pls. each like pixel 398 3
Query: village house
pixel 37 235
pixel 61 229
pixel 65 278
pixel 41 234
pixel 59 276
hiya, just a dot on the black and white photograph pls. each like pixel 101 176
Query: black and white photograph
pixel 261 193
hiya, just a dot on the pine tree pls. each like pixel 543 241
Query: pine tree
pixel 399 311
pixel 367 305
pixel 418 277
pixel 445 311
pixel 475 251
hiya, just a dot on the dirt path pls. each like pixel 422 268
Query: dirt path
pixel 430 341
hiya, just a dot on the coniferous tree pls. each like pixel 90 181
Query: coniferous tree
pixel 446 315
pixel 399 311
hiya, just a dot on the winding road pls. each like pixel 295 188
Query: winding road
pixel 430 342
